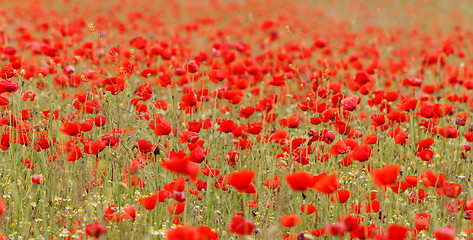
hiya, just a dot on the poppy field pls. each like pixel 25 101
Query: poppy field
pixel 215 119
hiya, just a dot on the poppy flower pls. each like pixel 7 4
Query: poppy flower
pixel 299 181
pixel 290 122
pixel 37 179
pixel 308 209
pixel 278 80
pixel 112 141
pixel 361 153
pixel 372 206
pixel 386 175
pixel 183 232
pixel 246 112
pixel 337 229
pixel 95 147
pixel 28 164
pixel 426 155
pixel 75 154
pixel 318 232
pixel 7 71
pixel 145 146
pixel 451 190
pixel 350 103
pixel 341 196
pixel 139 42
pixel 160 126
pixel 445 233
pixel 5 141
pixel 70 128
pixel 326 184
pixel 129 213
pixel 291 220
pixel 217 75
pixel 448 132
pixel 227 126
pixel 86 125
pixel 206 233
pixel 95 230
pixel 197 155
pixel 422 221
pixel 179 163
pixel 100 121
pixel 192 66
pixel 149 203
pixel 272 183
pixel 397 232
pixel 2 206
pixel 370 139
pixel 8 86
pixel 188 137
pixel 241 180
pixel 176 208
pixel 429 179
pixel 188 101
pixel 407 104
pixel 241 226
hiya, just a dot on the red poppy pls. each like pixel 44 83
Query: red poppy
pixel 429 179
pixel 75 154
pixel 350 103
pixel 28 164
pixel 309 209
pixel 241 180
pixel 95 147
pixel 227 126
pixel 341 196
pixel 448 132
pixel 206 233
pixel 445 233
pixel 272 183
pixel 145 146
pixel 318 232
pixel 299 181
pixel 192 66
pixel 176 208
pixel 372 206
pixel 100 121
pixel 422 221
pixel 386 175
pixel 361 153
pixel 291 220
pixel 160 126
pixel 37 179
pixel 246 112
pixel 70 128
pixel 217 75
pixel 397 232
pixel 95 230
pixel 370 139
pixel 188 101
pixel 2 206
pixel 326 184
pixel 451 190
pixel 290 122
pixel 183 232
pixel 149 203
pixel 241 226
pixel 179 163
pixel 7 71
pixel 86 125
pixel 426 154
